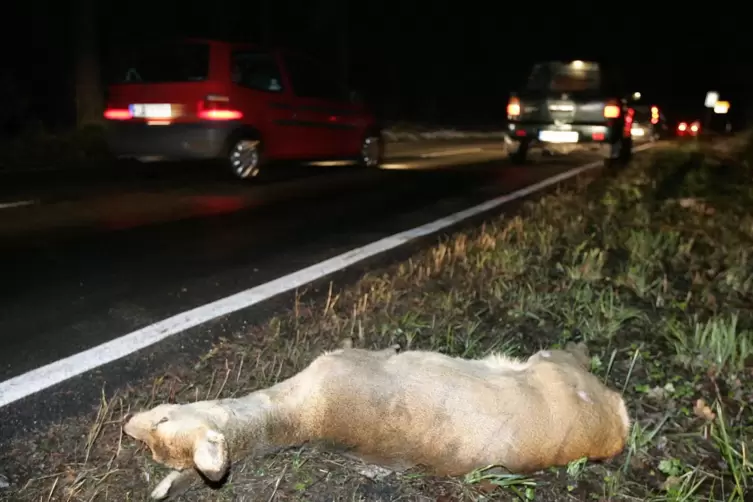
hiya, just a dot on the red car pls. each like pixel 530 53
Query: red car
pixel 685 129
pixel 238 103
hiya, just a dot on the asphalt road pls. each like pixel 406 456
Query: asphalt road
pixel 76 278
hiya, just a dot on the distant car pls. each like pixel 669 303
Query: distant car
pixel 649 123
pixel 689 129
pixel 237 103
pixel 575 102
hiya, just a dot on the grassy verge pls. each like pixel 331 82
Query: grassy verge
pixel 652 267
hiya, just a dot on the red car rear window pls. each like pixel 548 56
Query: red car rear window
pixel 160 63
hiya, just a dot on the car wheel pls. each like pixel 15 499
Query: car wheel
pixel 245 158
pixel 371 154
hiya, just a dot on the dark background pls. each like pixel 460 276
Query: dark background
pixel 440 62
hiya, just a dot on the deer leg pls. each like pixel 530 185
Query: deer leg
pixel 175 484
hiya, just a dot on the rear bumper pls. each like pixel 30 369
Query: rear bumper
pixel 572 133
pixel 169 142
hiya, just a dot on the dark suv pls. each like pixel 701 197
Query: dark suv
pixel 238 103
pixel 571 102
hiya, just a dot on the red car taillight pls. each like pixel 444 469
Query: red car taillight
pixel 682 126
pixel 216 107
pixel 118 114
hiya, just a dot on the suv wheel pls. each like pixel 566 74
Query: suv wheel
pixel 521 153
pixel 372 151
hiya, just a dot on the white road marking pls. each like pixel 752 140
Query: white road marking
pixel 38 379
pixel 17 203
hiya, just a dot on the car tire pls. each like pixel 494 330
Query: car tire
pixel 244 157
pixel 371 154
pixel 520 155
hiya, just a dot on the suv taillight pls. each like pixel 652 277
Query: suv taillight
pixel 612 111
pixel 513 107
pixel 217 107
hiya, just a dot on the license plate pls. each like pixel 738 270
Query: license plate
pixel 151 111
pixel 558 136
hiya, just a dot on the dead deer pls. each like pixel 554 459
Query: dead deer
pixel 399 410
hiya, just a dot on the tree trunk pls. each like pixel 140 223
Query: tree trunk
pixel 88 87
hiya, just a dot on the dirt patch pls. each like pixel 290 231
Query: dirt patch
pixel 656 276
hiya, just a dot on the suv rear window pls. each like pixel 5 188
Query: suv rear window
pixel 565 77
pixel 161 63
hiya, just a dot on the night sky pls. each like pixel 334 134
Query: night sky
pixel 452 62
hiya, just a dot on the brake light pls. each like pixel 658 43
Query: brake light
pixel 220 114
pixel 695 126
pixel 611 111
pixel 118 114
pixel 682 126
pixel 217 107
pixel 513 107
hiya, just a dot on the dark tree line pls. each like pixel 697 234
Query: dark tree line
pixel 89 92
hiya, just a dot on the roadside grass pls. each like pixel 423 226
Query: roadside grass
pixel 651 267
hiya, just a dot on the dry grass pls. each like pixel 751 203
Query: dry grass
pixel 653 268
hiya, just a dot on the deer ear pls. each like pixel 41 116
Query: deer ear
pixel 210 455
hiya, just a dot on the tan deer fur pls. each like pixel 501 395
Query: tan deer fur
pixel 416 408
